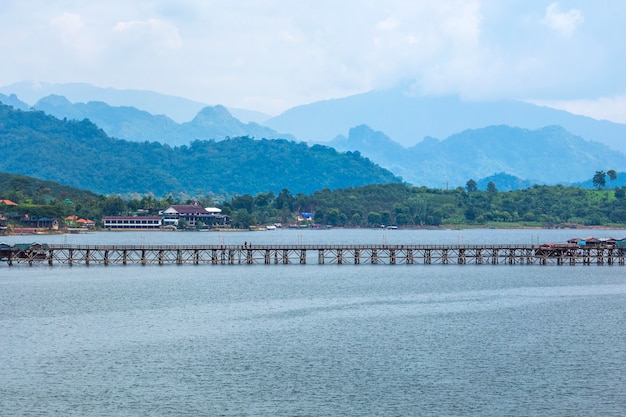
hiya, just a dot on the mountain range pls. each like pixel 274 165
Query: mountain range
pixel 130 123
pixel 408 119
pixel 517 144
pixel 80 154
pixel 177 108
pixel 550 155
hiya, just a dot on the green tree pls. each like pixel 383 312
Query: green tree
pixel 599 179
pixel 242 219
pixel 373 218
pixel 245 202
pixel 284 200
pixel 471 186
pixel 612 175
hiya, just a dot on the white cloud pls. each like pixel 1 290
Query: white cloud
pixel 273 54
pixel 154 33
pixel 71 40
pixel 564 23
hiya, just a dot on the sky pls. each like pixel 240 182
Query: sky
pixel 270 55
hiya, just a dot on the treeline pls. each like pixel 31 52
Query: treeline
pixel 368 206
pixel 403 205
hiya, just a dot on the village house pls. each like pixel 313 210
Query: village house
pixel 132 222
pixel 194 215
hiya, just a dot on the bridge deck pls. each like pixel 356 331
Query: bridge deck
pixel 486 254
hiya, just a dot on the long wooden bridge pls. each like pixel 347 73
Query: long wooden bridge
pixel 320 254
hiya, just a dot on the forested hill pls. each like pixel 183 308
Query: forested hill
pixel 79 154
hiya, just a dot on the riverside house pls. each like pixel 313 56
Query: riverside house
pixel 195 216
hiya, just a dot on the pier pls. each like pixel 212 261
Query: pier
pixel 318 254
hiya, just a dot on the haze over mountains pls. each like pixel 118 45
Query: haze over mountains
pixel 408 119
pixel 550 155
pixel 177 108
pixel 438 142
pixel 130 123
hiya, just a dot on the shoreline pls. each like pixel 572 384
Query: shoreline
pixel 43 232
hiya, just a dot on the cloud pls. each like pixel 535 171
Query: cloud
pixel 274 54
pixel 564 23
pixel 71 39
pixel 152 33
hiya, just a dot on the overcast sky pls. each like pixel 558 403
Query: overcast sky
pixel 269 55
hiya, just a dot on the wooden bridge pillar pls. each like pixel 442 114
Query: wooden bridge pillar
pixel 461 259
pixel 427 257
pixel 70 256
pixel 267 256
pixel 392 256
pixel 302 256
pixel 143 257
pixel 106 257
pixel 409 256
pixel 320 256
pixel 374 258
pixel 50 257
pixel 249 257
pixel 357 256
pixel 196 256
pixel 339 256
pixel 285 256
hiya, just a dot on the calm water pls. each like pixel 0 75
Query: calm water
pixel 332 340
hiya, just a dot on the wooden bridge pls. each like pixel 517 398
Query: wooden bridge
pixel 321 254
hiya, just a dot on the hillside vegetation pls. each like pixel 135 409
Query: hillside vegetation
pixel 79 154
pixel 550 155
pixel 367 206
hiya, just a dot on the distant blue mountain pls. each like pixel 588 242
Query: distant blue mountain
pixel 124 122
pixel 522 157
pixel 408 119
pixel 504 182
pixel 13 101
pixel 176 108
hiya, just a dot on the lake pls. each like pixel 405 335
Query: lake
pixel 314 340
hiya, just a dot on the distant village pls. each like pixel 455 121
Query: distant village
pixel 190 216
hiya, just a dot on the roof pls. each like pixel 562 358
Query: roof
pixel 186 209
pixel 8 202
